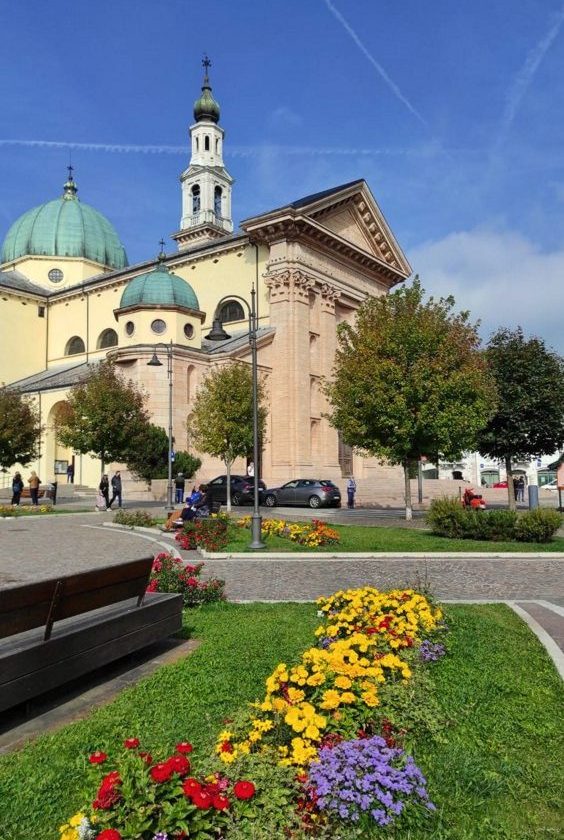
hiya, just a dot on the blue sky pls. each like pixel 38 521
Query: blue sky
pixel 452 111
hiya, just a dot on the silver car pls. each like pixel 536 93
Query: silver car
pixel 314 492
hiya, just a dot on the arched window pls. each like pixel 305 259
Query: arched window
pixel 217 194
pixel 74 345
pixel 207 143
pixel 231 311
pixel 107 338
pixel 196 198
pixel 197 144
pixel 217 147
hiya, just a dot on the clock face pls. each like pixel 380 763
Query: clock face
pixel 55 275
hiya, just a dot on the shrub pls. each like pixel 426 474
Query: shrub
pixel 538 525
pixel 169 574
pixel 211 533
pixel 447 517
pixel 132 518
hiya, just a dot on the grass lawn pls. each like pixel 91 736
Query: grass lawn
pixel 367 538
pixel 497 776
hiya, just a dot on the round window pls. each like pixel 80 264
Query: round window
pixel 158 326
pixel 130 328
pixel 55 275
pixel 188 330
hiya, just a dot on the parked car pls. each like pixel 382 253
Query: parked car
pixel 242 489
pixel 314 492
pixel 500 484
pixel 552 485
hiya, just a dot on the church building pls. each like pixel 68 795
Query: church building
pixel 65 281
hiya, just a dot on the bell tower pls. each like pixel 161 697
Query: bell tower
pixel 206 184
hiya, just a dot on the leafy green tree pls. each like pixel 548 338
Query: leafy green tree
pixel 148 458
pixel 105 415
pixel 221 423
pixel 529 420
pixel 409 380
pixel 20 429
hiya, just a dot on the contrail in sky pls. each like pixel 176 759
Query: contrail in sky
pixel 235 151
pixel 525 77
pixel 391 84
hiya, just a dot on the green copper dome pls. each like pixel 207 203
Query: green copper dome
pixel 206 108
pixel 65 227
pixel 159 288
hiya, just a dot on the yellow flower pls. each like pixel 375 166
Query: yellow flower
pixel 331 699
pixel 76 820
pixel 370 698
pixel 312 732
pixel 295 695
pixel 225 735
pixel 316 679
pixel 348 697
pixel 343 682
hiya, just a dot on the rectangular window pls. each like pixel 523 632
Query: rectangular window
pixel 41 311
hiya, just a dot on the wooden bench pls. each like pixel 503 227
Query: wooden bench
pixel 44 493
pixel 56 630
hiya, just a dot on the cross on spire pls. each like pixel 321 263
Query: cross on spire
pixel 70 170
pixel 206 64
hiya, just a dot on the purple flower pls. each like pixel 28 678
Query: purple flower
pixel 366 777
pixel 430 652
pixel 162 835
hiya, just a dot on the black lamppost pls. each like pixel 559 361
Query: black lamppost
pixel 218 334
pixel 156 363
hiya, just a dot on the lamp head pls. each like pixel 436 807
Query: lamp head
pixel 217 332
pixel 154 361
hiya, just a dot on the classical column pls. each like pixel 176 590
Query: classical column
pixel 328 348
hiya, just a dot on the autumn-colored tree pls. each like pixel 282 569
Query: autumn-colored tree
pixel 221 423
pixel 410 380
pixel 105 415
pixel 20 428
pixel 529 421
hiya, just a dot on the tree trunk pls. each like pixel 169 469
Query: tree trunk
pixel 510 487
pixel 408 508
pixel 228 471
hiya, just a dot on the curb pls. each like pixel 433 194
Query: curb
pixel 545 638
pixel 290 556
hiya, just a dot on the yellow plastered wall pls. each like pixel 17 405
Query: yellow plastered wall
pixel 175 322
pixel 37 268
pixel 22 337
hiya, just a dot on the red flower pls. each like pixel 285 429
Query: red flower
pixel 179 764
pixel 244 789
pixel 212 788
pixel 226 746
pixel 147 757
pixel 161 772
pixel 153 585
pixel 109 834
pixel 183 747
pixel 191 786
pixel 97 757
pixel 220 802
pixel 202 800
pixel 191 581
pixel 131 743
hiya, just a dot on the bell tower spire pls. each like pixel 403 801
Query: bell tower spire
pixel 206 184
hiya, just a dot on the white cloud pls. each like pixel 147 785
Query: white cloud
pixel 284 117
pixel 501 277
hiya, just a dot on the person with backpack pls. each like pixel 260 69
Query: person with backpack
pixel 179 484
pixel 116 489
pixel 17 488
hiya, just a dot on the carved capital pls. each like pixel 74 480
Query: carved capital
pixel 329 296
pixel 302 283
pixel 278 284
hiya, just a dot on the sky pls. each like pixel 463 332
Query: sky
pixel 453 112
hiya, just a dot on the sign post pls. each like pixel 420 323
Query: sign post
pixel 560 484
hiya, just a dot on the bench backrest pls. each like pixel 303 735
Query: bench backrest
pixel 41 604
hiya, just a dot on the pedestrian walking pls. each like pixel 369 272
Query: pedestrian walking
pixel 179 484
pixel 116 489
pixel 17 487
pixel 70 473
pixel 34 481
pixel 104 495
pixel 515 487
pixel 351 490
pixel 251 469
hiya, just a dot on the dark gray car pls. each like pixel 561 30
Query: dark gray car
pixel 314 492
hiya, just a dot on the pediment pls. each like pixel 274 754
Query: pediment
pixel 359 220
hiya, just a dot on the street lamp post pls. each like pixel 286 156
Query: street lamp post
pixel 218 334
pixel 154 362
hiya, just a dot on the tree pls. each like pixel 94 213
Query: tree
pixel 409 380
pixel 20 429
pixel 221 423
pixel 104 416
pixel 148 457
pixel 529 420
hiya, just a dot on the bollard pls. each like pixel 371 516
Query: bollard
pixel 533 496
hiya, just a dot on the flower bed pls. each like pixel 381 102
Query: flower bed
pixel 324 753
pixel 211 533
pixel 10 510
pixel 169 574
pixel 310 534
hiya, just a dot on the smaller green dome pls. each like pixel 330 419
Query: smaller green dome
pixel 159 287
pixel 206 108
